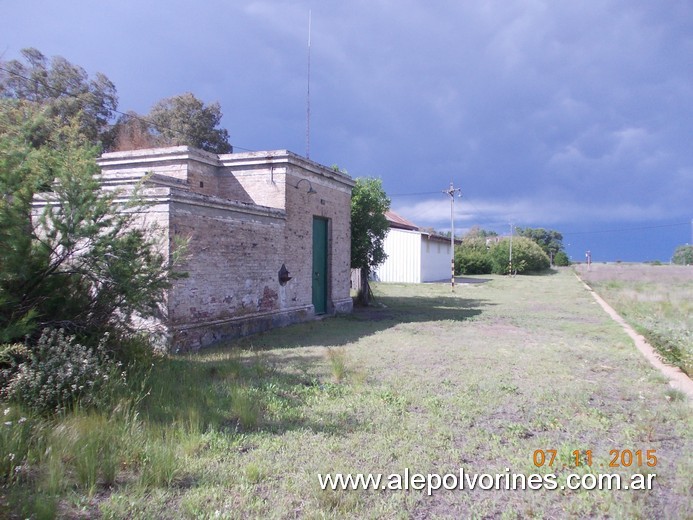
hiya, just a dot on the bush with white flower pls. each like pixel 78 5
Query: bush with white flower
pixel 60 372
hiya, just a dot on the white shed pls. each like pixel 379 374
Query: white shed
pixel 413 255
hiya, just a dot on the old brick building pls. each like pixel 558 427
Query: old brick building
pixel 248 218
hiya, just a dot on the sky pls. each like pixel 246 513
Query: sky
pixel 574 116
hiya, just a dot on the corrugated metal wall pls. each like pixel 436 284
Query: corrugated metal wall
pixel 435 260
pixel 404 257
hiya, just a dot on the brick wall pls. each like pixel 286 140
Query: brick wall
pixel 242 218
pixel 332 201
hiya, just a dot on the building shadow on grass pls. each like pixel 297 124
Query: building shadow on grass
pixel 285 369
pixel 235 395
pixel 384 313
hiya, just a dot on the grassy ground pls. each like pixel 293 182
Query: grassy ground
pixel 430 381
pixel 655 300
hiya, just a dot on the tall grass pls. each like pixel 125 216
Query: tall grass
pixel 141 440
pixel 336 356
pixel 15 443
pixel 436 381
pixel 159 463
pixel 656 301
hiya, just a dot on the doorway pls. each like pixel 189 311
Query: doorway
pixel 320 265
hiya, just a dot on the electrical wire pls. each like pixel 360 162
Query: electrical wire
pixel 623 230
pixel 415 194
pixel 491 220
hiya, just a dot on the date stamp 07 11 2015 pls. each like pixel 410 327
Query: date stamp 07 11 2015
pixel 618 458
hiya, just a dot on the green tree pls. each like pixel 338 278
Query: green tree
pixel 79 263
pixel 185 120
pixel 683 255
pixel 561 259
pixel 549 240
pixel 478 232
pixel 67 92
pixel 369 203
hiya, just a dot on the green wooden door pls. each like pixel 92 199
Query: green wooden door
pixel 320 265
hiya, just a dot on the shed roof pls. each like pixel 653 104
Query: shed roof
pixel 397 221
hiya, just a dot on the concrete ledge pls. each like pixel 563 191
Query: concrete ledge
pixel 344 306
pixel 149 156
pixel 193 337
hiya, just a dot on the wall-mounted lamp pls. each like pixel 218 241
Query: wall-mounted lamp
pixel 311 191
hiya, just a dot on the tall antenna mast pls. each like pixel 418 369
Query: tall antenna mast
pixel 308 93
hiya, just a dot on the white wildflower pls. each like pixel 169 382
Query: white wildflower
pixel 7 410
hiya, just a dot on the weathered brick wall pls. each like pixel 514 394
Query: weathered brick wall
pixel 332 201
pixel 257 177
pixel 242 217
pixel 168 162
pixel 234 254
pixel 203 177
pixel 271 179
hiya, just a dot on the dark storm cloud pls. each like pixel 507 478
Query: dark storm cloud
pixel 542 111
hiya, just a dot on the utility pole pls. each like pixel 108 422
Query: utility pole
pixel 510 257
pixel 451 191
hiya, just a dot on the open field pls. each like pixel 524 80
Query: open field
pixel 428 381
pixel 657 300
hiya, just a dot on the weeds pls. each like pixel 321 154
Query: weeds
pixel 15 443
pixel 243 433
pixel 338 363
pixel 159 464
pixel 245 407
pixel 674 395
pixel 656 302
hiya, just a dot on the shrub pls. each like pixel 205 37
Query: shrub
pixel 683 255
pixel 472 262
pixel 59 372
pixel 472 256
pixel 527 256
pixel 561 259
pixel 12 355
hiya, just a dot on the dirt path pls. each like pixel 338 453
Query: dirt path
pixel 677 378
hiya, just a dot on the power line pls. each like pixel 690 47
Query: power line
pixel 622 230
pixel 414 194
pixel 489 219
pixel 116 111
